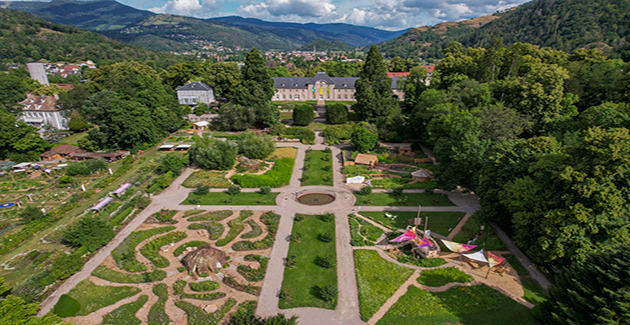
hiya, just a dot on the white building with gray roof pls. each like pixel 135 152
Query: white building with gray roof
pixel 321 87
pixel 195 93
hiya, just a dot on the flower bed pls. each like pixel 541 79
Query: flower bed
pixel 271 220
pixel 152 250
pixel 125 254
pixel 105 273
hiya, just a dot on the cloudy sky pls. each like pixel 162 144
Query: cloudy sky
pixel 384 14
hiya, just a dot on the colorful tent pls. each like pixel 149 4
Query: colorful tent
pixel 425 242
pixel 409 235
pixel 457 247
pixel 477 256
pixel 494 260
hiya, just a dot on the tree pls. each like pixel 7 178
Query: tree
pixel 180 74
pixel 267 115
pixel 14 310
pixel 19 141
pixel 30 214
pixel 417 81
pixel 374 95
pixel 364 137
pixel 214 154
pixel 594 291
pixel 225 78
pixel 461 153
pixel 12 90
pixel 50 134
pixel 77 124
pixel 499 123
pixel 236 117
pixel 256 89
pixel 171 162
pixel 254 146
pixel 201 109
pixel 91 231
pixel 303 115
pixel 336 113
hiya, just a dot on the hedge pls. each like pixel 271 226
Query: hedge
pixel 152 250
pixel 306 136
pixel 303 115
pixel 125 254
pixel 279 175
pixel 336 113
pixel 105 273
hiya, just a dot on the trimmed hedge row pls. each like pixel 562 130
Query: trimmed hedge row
pixel 279 175
pixel 125 254
pixel 271 220
pixel 105 273
pixel 152 250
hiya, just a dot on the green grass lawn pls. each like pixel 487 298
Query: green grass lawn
pixel 206 177
pixel 439 222
pixel 388 199
pixel 488 237
pixel 73 139
pixel 317 170
pixel 534 293
pixel 459 305
pixel 317 126
pixel 442 276
pixel 377 280
pixel 93 297
pixel 222 198
pixel 304 281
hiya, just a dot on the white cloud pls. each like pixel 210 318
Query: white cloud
pixel 195 8
pixel 288 8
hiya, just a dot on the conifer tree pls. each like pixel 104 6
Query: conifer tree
pixel 375 98
pixel 595 291
pixel 256 89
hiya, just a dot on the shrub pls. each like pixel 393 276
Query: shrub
pixel 233 190
pixel 335 134
pixel 327 261
pixel 31 213
pixel 213 154
pixel 86 167
pixel 365 190
pixel 398 191
pixel 254 146
pixel 326 237
pixel 91 231
pixel 364 137
pixel 299 217
pixel 181 269
pixel 305 135
pixel 277 176
pixel 336 113
pixel 296 237
pixel 329 292
pixel 204 286
pixel 265 190
pixel 202 189
pixel 291 261
pixel 204 275
pixel 328 217
pixel 66 180
pixel 171 162
pixel 303 115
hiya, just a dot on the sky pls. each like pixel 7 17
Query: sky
pixel 382 14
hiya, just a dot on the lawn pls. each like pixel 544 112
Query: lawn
pixel 222 198
pixel 317 126
pixel 206 177
pixel 283 152
pixel 92 297
pixel 388 199
pixel 317 168
pixel 442 276
pixel 304 281
pixel 533 292
pixel 459 305
pixel 377 280
pixel 226 135
pixel 278 175
pixel 74 138
pixel 439 222
pixel 487 238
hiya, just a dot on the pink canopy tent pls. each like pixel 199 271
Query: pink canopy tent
pixel 409 235
pixel 457 247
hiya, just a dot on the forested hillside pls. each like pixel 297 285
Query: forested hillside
pixel 559 24
pixel 325 45
pixel 26 37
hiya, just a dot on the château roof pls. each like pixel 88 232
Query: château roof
pixel 303 82
pixel 196 85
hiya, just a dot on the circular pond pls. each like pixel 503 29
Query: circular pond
pixel 315 198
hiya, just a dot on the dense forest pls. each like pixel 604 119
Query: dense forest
pixel 560 24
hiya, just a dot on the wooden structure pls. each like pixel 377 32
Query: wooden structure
pixel 366 160
pixel 427 251
pixel 204 259
pixel 422 175
pixel 405 151
pixel 59 152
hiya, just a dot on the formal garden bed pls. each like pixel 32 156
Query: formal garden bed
pixel 439 222
pixel 363 232
pixel 214 179
pixel 222 198
pixel 317 168
pixel 310 276
pixel 404 199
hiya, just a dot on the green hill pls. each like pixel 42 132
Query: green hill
pixel 560 24
pixel 26 37
pixel 326 45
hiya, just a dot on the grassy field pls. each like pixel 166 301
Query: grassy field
pixel 222 198
pixel 459 305
pixel 317 126
pixel 533 292
pixel 73 139
pixel 92 297
pixel 283 152
pixel 304 281
pixel 442 276
pixel 317 170
pixel 487 238
pixel 206 177
pixel 377 280
pixel 388 199
pixel 439 222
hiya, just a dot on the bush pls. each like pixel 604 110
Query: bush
pixel 170 162
pixel 398 191
pixel 204 286
pixel 305 135
pixel 277 176
pixel 31 213
pixel 202 189
pixel 86 167
pixel 365 190
pixel 254 146
pixel 336 113
pixel 66 180
pixel 204 275
pixel 299 217
pixel 329 292
pixel 91 231
pixel 303 115
pixel 265 190
pixel 326 237
pixel 213 154
pixel 233 190
pixel 327 261
pixel 364 137
pixel 328 217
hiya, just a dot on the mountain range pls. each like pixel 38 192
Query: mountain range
pixel 163 32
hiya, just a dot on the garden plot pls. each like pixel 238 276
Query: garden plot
pixel 148 282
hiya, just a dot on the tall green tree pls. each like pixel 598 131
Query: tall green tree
pixel 92 232
pixel 417 81
pixel 225 77
pixel 180 74
pixel 214 154
pixel 594 291
pixel 256 89
pixel 14 310
pixel 19 141
pixel 374 95
pixel 77 123
pixel 364 137
pixel 255 146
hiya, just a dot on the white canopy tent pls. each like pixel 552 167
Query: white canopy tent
pixel 355 180
pixel 477 256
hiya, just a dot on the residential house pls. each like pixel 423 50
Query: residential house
pixel 38 110
pixel 195 93
pixel 59 152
